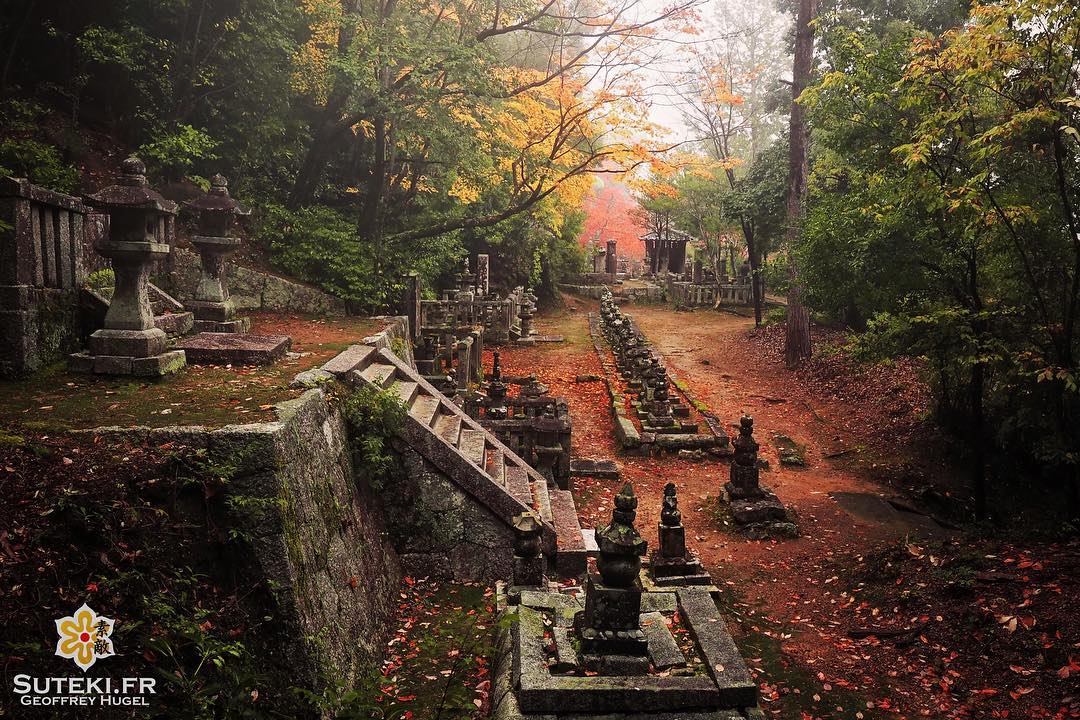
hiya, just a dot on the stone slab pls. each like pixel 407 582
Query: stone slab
pixel 154 366
pixel 664 652
pixel 234 348
pixel 733 681
pixel 174 324
pixel 604 469
pixel 127 343
pixel 159 365
pixel 588 537
pixel 236 325
pixel 566 657
pixel 353 357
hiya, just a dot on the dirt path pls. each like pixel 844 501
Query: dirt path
pixel 792 608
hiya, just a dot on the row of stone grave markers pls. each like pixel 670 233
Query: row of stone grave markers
pixel 53 240
pixel 641 644
pixel 664 418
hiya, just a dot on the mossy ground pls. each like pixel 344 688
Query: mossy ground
pixel 211 395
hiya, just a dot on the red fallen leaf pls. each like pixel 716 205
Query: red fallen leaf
pixel 1020 691
pixel 353 580
pixel 986 691
pixel 91 587
pixel 206 626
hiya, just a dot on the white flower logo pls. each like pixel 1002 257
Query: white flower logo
pixel 84 637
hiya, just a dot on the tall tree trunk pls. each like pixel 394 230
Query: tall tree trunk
pixel 757 288
pixel 331 125
pixel 978 460
pixel 797 346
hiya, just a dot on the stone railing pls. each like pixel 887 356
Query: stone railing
pixel 691 295
pixel 42 238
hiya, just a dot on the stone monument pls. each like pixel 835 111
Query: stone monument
pixel 754 508
pixel 671 563
pixel 483 280
pixel 610 628
pixel 528 560
pixel 130 344
pixel 745 476
pixel 496 391
pixel 214 310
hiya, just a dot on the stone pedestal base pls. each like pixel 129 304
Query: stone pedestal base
pixel 611 623
pixel 160 365
pixel 684 570
pixel 624 665
pixel 127 343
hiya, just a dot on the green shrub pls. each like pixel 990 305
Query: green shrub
pixel 373 416
pixel 775 316
pixel 175 154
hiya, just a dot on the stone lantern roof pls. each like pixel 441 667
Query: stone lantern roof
pixel 132 191
pixel 217 199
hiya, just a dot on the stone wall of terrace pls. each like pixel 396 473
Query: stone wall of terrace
pixel 252 289
pixel 313 530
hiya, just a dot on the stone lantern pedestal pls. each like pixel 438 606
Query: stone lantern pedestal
pixel 213 308
pixel 130 344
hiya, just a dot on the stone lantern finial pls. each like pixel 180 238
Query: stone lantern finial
pixel 133 172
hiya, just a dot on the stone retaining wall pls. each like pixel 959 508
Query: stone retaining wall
pixel 315 530
pixel 253 289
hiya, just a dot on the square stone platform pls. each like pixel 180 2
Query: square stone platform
pixel 212 348
pixel 713 684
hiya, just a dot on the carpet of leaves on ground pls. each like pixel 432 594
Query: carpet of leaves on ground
pixel 438 664
pixel 793 603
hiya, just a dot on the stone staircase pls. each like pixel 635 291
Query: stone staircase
pixel 469 455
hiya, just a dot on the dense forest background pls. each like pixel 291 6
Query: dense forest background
pixel 371 138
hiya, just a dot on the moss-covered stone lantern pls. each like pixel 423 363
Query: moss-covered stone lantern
pixel 130 344
pixel 213 308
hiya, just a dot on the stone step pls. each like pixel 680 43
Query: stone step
pixel 471 445
pixel 496 466
pixel 424 408
pixel 517 482
pixel 571 556
pixel 406 392
pixel 379 375
pixel 448 427
pixel 357 357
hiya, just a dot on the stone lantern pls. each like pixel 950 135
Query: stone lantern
pixel 496 408
pixel 528 560
pixel 130 344
pixel 214 311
